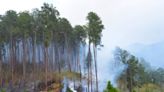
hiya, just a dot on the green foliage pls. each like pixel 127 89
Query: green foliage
pixel 134 91
pixel 42 41
pixel 94 28
pixel 2 90
pixel 25 90
pixel 80 33
pixel 68 90
pixel 110 88
pixel 122 56
pixel 136 73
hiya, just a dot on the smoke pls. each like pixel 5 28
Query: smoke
pixel 108 69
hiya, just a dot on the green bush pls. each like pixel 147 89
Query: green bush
pixel 110 88
pixel 69 90
pixel 2 90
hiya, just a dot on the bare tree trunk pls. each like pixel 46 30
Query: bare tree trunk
pixel 88 81
pixel 14 54
pixel 11 58
pixel 34 54
pixel 68 58
pixel 46 66
pixel 24 58
pixel 59 59
pixel 89 65
pixel 79 65
pixel 0 67
pixel 91 77
pixel 59 64
pixel 95 59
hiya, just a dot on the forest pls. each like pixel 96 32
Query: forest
pixel 42 52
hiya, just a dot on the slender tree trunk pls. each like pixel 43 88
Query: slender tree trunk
pixel 46 66
pixel 59 59
pixel 12 61
pixel 91 77
pixel 38 66
pixel 89 65
pixel 80 74
pixel 91 73
pixel 68 58
pixel 34 55
pixel 88 80
pixel 59 63
pixel 55 57
pixel 79 65
pixel 11 58
pixel 95 59
pixel 24 58
pixel 14 55
pixel 0 67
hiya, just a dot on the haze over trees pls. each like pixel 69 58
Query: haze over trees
pixel 42 51
pixel 137 75
pixel 41 45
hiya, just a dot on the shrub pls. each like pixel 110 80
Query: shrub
pixel 69 90
pixel 110 88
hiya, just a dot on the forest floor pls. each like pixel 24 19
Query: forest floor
pixel 54 83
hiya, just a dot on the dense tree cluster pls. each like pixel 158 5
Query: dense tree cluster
pixel 42 43
pixel 137 73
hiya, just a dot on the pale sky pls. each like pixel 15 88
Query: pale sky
pixel 127 22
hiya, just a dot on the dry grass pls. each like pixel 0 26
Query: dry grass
pixel 149 88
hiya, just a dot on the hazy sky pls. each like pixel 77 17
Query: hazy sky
pixel 126 21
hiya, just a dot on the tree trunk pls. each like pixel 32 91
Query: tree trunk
pixel 91 77
pixel 88 81
pixel 0 67
pixel 69 61
pixel 34 55
pixel 89 65
pixel 24 58
pixel 129 79
pixel 95 59
pixel 46 66
pixel 11 58
pixel 79 65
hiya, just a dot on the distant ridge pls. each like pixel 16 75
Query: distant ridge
pixel 154 53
